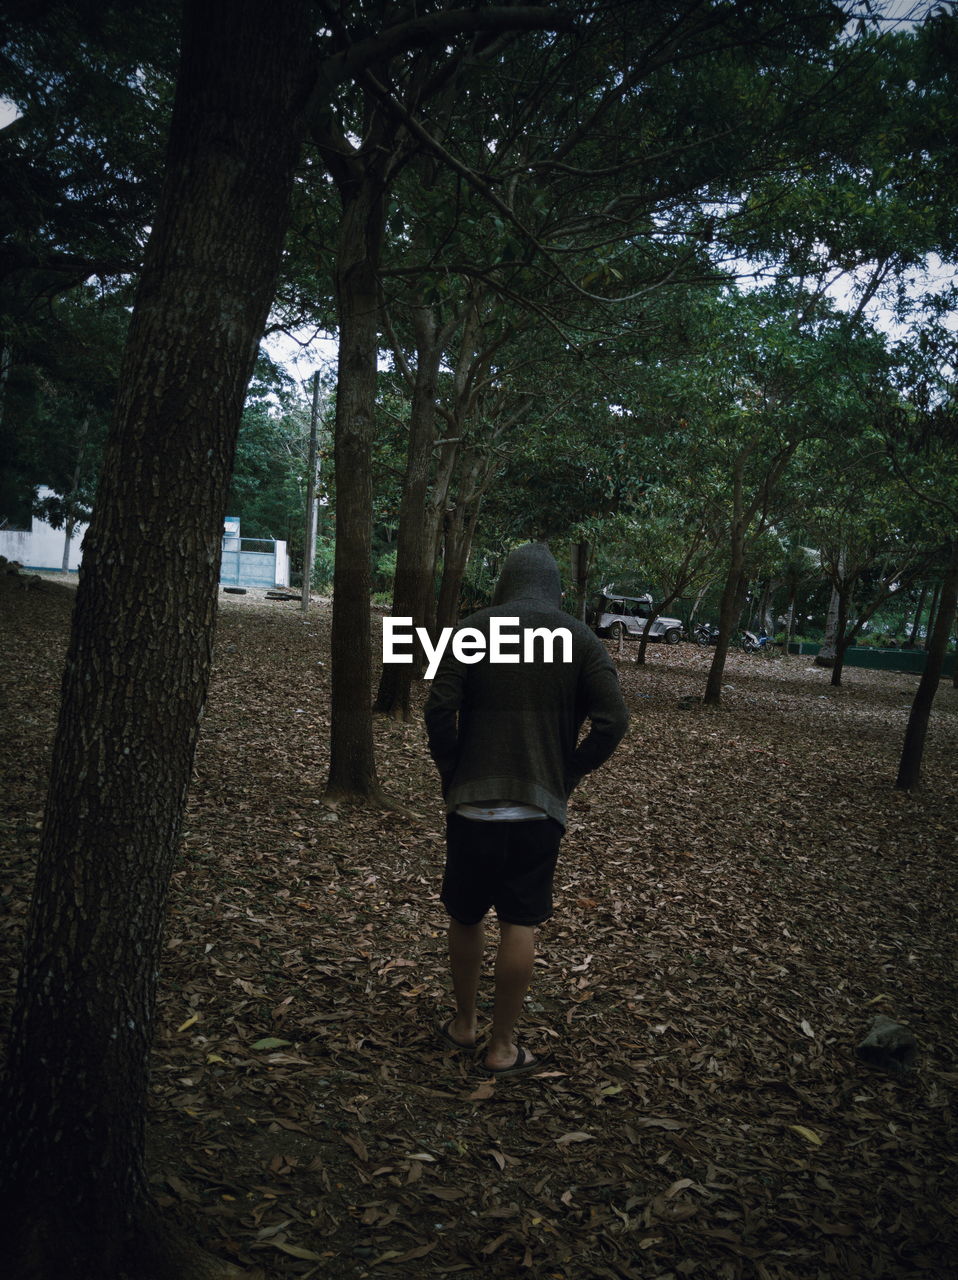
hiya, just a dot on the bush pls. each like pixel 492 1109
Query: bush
pixel 323 565
pixel 385 572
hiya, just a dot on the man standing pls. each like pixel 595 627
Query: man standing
pixel 503 735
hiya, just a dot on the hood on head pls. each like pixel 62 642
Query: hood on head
pixel 529 571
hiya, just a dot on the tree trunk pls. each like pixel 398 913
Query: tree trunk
pixel 732 593
pixel 73 1196
pixel 352 763
pixel 693 613
pixel 644 642
pixel 916 622
pixel 415 543
pixel 459 529
pixel 933 610
pixel 581 563
pixel 909 767
pixel 841 640
pixel 826 653
pixel 729 610
pixel 312 503
pixel 790 619
pixel 72 500
pixel 457 543
pixel 439 513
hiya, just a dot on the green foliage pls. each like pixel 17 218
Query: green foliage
pixel 324 564
pixel 59 397
pixel 268 492
pixel 386 570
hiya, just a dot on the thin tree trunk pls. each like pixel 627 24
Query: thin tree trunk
pixel 729 609
pixel 841 640
pixel 6 360
pixel 826 653
pixel 916 623
pixel 581 563
pixel 68 528
pixel 459 532
pixel 932 613
pixel 440 514
pixel 312 506
pixel 731 602
pixel 73 1194
pixel 457 543
pixel 644 642
pixel 352 763
pixel 695 608
pixel 415 543
pixel 909 767
pixel 71 521
pixel 790 619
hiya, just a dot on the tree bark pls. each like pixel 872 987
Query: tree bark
pixel 73 1195
pixel 729 609
pixel 459 530
pixel 72 499
pixel 933 610
pixel 826 653
pixel 312 505
pixel 909 767
pixel 581 561
pixel 731 602
pixel 457 543
pixel 916 622
pixel 842 641
pixel 416 540
pixel 352 762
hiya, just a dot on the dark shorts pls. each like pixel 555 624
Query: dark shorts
pixel 506 865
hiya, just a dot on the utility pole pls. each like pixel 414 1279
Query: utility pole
pixel 312 502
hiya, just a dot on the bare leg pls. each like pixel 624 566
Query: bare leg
pixel 465 960
pixel 514 960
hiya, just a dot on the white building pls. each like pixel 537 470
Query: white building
pixel 41 546
pixel 247 562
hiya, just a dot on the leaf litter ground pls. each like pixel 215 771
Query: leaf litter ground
pixel 740 892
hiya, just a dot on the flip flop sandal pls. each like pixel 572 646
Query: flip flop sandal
pixel 525 1061
pixel 442 1029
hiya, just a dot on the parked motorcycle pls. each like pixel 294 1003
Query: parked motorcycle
pixel 705 633
pixel 753 643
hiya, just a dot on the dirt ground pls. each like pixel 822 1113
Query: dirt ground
pixel 740 892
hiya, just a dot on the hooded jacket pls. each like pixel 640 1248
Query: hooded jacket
pixel 509 731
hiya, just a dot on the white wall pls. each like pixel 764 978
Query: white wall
pixel 282 565
pixel 42 546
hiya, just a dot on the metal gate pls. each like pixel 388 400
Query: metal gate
pixel 248 562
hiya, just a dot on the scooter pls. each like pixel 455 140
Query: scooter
pixel 705 633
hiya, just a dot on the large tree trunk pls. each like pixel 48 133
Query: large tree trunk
pixel 909 768
pixel 415 542
pixel 73 1195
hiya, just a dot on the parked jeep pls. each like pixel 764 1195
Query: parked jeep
pixel 628 616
